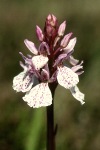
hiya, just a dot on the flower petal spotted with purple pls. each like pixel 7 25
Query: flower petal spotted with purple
pixel 66 77
pixel 39 96
pixel 23 82
pixel 39 61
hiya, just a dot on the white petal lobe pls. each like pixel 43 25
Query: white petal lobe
pixel 66 77
pixel 27 83
pixel 30 45
pixel 39 96
pixel 73 61
pixel 77 94
pixel 22 82
pixel 39 61
pixel 70 45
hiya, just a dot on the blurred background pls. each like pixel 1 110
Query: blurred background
pixel 24 128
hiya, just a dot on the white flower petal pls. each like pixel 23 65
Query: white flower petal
pixel 73 61
pixel 77 94
pixel 27 82
pixel 39 61
pixel 31 46
pixel 22 82
pixel 70 45
pixel 17 81
pixel 39 96
pixel 66 77
pixel 77 67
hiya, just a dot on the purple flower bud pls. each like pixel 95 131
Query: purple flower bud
pixel 51 20
pixel 51 26
pixel 61 29
pixel 39 34
pixel 65 40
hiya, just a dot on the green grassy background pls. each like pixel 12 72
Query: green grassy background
pixel 24 128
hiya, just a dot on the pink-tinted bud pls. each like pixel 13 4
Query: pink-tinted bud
pixel 61 29
pixel 65 40
pixel 39 33
pixel 51 20
pixel 51 26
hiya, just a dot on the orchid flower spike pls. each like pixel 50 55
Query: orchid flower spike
pixel 47 64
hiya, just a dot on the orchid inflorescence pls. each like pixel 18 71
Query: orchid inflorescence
pixel 48 65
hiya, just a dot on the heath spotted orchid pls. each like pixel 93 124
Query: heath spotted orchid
pixel 51 63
